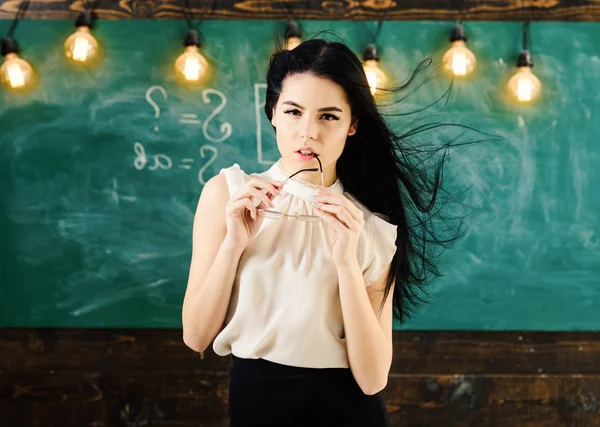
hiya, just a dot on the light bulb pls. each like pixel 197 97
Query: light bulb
pixel 15 73
pixel 81 46
pixel 293 35
pixel 376 78
pixel 524 85
pixel 292 43
pixel 191 66
pixel 459 60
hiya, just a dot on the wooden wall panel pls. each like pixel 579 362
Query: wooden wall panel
pixel 84 377
pixel 489 10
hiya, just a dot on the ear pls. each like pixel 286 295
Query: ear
pixel 273 118
pixel 353 127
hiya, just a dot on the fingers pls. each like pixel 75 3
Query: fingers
pixel 237 207
pixel 343 203
pixel 330 219
pixel 341 216
pixel 271 186
pixel 251 208
pixel 258 190
pixel 255 190
pixel 259 198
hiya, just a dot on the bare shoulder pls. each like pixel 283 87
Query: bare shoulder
pixel 209 219
pixel 215 192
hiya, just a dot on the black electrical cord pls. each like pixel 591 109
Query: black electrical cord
pixel 461 13
pixel 20 14
pixel 526 25
pixel 289 11
pixel 86 4
pixel 378 30
pixel 373 37
pixel 192 38
pixel 458 31
pixel 292 28
pixel 525 55
pixel 370 52
pixel 85 18
pixel 8 44
pixel 189 16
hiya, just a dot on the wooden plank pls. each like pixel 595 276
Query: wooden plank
pixel 430 352
pixel 493 400
pixel 106 377
pixel 200 398
pixel 473 10
pixel 496 352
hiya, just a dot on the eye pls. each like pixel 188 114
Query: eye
pixel 330 117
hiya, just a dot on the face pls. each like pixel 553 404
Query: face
pixel 312 111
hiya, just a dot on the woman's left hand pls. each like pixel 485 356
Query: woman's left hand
pixel 344 221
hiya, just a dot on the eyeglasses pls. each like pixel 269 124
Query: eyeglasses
pixel 308 218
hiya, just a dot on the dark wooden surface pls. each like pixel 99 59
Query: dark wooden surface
pixel 94 377
pixel 488 10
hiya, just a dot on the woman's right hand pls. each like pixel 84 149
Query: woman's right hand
pixel 242 217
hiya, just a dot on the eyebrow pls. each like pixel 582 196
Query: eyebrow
pixel 320 109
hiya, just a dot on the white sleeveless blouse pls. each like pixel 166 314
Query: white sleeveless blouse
pixel 285 305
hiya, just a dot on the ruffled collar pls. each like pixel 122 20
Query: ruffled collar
pixel 297 187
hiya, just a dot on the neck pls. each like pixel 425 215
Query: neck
pixel 329 174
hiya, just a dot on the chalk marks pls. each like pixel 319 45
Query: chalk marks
pixel 165 162
pixel 153 103
pixel 190 119
pixel 225 128
pixel 208 96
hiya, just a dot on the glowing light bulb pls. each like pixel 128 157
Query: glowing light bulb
pixel 191 66
pixel 81 46
pixel 524 86
pixel 15 73
pixel 293 35
pixel 376 78
pixel 292 43
pixel 459 60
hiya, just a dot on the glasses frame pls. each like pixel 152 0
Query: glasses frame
pixel 300 217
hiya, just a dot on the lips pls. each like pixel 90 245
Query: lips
pixel 307 149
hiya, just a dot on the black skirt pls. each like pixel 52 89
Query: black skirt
pixel 264 393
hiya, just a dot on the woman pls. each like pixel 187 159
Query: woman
pixel 292 267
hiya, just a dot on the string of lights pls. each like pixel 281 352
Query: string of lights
pixel 191 67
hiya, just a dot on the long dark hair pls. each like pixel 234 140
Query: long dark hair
pixel 378 166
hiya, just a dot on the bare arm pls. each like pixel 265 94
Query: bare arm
pixel 223 225
pixel 213 268
pixel 368 334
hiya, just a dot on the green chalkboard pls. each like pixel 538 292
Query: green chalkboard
pixel 100 171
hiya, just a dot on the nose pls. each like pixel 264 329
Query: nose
pixel 310 130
